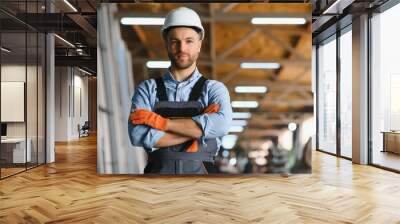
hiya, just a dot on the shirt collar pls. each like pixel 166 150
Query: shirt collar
pixel 169 77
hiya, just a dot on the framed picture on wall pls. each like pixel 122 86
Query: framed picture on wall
pixel 12 101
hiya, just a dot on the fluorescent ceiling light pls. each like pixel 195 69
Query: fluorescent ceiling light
pixel 229 141
pixel 278 21
pixel 260 65
pixel 241 115
pixel 239 122
pixel 338 6
pixel 158 64
pixel 250 89
pixel 245 104
pixel 65 41
pixel 5 50
pixel 236 129
pixel 70 5
pixel 152 21
pixel 84 71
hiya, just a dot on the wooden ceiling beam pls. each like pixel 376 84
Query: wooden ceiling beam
pixel 143 39
pixel 283 44
pixel 269 122
pixel 272 85
pixel 292 103
pixel 280 102
pixel 228 7
pixel 290 89
pixel 238 44
pixel 231 74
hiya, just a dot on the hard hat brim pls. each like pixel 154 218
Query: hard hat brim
pixel 165 31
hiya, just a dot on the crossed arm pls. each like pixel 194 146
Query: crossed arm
pixel 179 131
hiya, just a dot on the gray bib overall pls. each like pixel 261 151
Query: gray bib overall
pixel 174 159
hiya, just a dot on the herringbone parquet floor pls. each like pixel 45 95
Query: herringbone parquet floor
pixel 70 191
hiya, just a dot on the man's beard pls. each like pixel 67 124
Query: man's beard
pixel 182 64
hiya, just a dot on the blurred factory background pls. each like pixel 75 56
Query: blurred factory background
pixel 266 66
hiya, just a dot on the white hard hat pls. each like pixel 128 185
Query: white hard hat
pixel 182 16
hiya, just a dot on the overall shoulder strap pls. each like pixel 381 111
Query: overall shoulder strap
pixel 197 89
pixel 161 90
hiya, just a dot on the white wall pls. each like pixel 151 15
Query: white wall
pixel 12 73
pixel 70 83
pixel 80 83
pixel 33 126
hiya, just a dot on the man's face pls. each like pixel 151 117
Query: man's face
pixel 183 46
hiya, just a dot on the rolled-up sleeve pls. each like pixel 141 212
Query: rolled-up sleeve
pixel 216 125
pixel 142 135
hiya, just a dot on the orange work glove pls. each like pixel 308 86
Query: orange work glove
pixel 212 108
pixel 142 116
pixel 194 147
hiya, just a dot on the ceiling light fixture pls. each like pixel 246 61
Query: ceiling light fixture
pixel 70 5
pixel 278 21
pixel 260 65
pixel 84 71
pixel 241 115
pixel 151 21
pixel 236 129
pixel 250 89
pixel 65 41
pixel 245 104
pixel 5 50
pixel 158 64
pixel 337 7
pixel 239 123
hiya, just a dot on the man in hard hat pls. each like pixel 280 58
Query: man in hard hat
pixel 180 118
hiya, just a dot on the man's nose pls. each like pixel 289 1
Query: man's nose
pixel 182 47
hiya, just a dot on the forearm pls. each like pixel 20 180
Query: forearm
pixel 170 139
pixel 185 127
pixel 214 125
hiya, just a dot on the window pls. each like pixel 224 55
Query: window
pixel 327 96
pixel 22 75
pixel 385 89
pixel 346 93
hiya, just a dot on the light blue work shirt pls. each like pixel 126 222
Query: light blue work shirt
pixel 214 125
